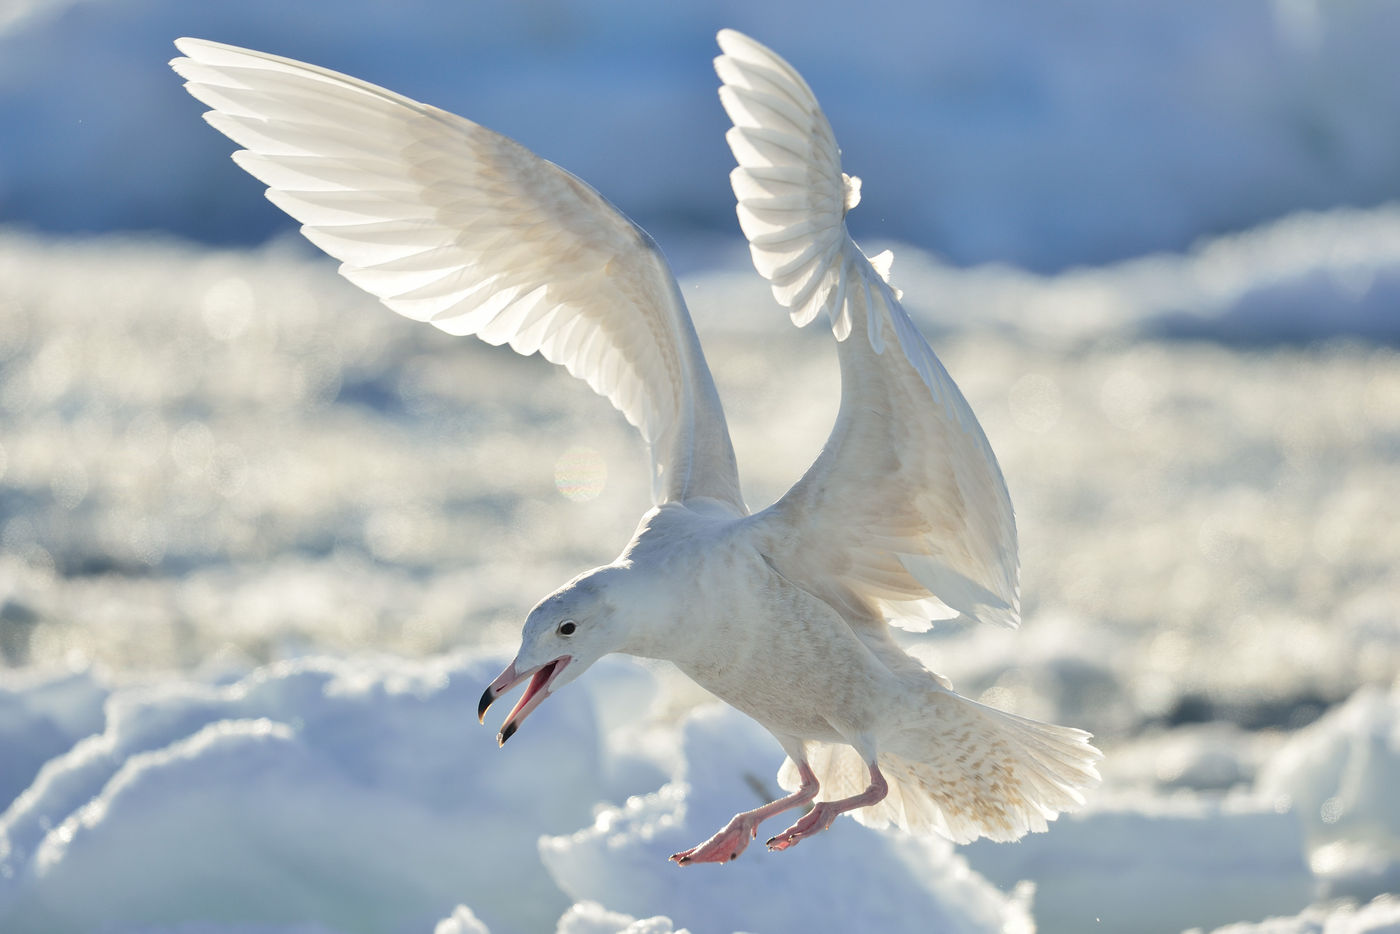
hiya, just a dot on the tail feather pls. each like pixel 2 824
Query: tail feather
pixel 964 771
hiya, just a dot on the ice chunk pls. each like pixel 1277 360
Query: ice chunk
pixel 1340 776
pixel 360 794
pixel 593 918
pixel 1152 864
pixel 42 714
pixel 461 921
pixel 1381 916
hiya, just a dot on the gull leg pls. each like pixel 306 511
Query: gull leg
pixel 824 812
pixel 735 836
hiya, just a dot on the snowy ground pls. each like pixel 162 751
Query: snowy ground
pixel 262 543
pixel 227 475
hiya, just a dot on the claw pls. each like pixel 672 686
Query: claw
pixel 822 814
pixel 725 846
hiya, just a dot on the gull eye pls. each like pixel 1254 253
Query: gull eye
pixel 567 627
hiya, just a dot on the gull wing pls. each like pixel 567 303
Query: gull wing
pixel 448 222
pixel 905 506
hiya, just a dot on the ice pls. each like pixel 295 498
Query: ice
pixel 344 795
pixel 43 714
pixel 1211 757
pixel 202 927
pixel 1153 247
pixel 1194 862
pixel 461 921
pixel 1309 820
pixel 1047 135
pixel 869 879
pixel 593 918
pixel 1340 776
pixel 1309 276
pixel 1380 916
pixel 331 476
pixel 360 795
pixel 224 475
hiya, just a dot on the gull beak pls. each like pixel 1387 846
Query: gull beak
pixel 541 677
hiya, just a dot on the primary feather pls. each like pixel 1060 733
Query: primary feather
pixel 448 222
pixel 906 505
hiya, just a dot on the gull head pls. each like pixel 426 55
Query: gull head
pixel 564 634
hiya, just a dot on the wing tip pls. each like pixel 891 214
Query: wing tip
pixel 187 47
pixel 191 46
pixel 740 47
pixel 731 39
pixel 205 54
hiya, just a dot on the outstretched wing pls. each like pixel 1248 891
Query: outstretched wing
pixel 906 505
pixel 448 222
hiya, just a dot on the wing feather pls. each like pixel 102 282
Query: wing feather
pixel 448 222
pixel 905 506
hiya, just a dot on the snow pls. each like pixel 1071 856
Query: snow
pixel 461 921
pixel 352 795
pixel 1340 775
pixel 262 543
pixel 227 475
pixel 1380 916
pixel 238 798
pixel 43 714
pixel 1195 863
pixel 1046 135
pixel 1306 277
pixel 886 881
pixel 593 918
pixel 355 794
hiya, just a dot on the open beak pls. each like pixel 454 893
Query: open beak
pixel 541 677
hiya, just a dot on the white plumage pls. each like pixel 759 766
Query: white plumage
pixel 908 507
pixel 904 517
pixel 448 222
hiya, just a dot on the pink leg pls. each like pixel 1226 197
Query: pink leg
pixel 824 812
pixel 731 841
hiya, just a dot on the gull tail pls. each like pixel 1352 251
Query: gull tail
pixel 964 770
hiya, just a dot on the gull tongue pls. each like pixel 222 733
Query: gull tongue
pixel 528 702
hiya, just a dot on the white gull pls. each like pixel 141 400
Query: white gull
pixel 904 517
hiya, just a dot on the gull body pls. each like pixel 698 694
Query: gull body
pixel 696 589
pixel 784 613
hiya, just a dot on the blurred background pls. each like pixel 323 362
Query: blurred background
pixel 1156 243
pixel 1045 136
